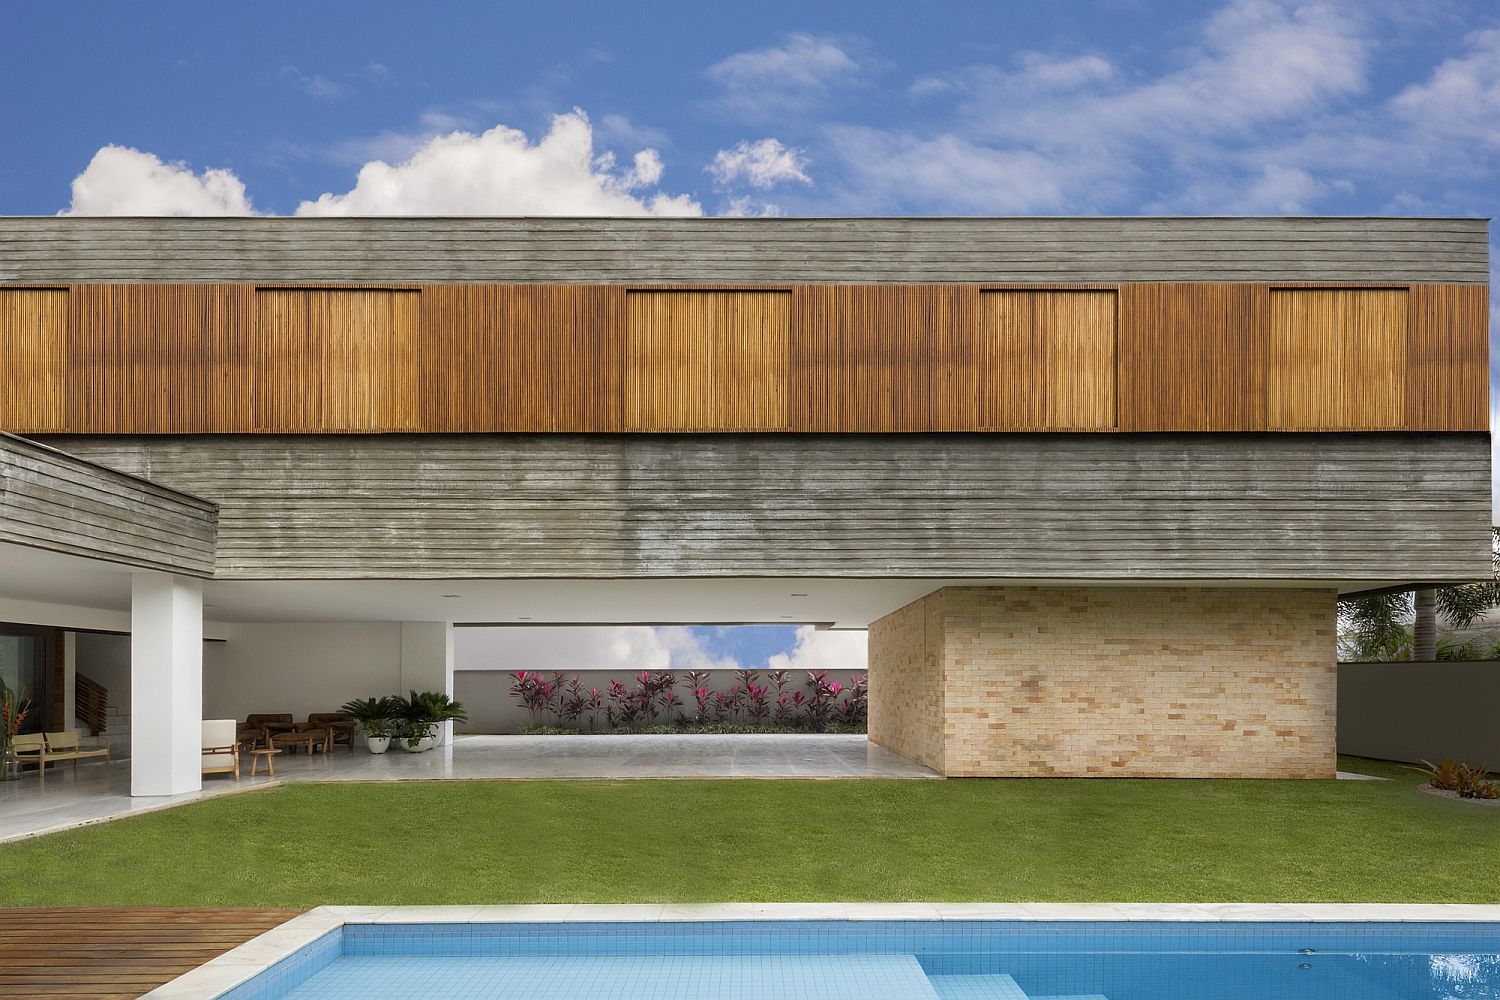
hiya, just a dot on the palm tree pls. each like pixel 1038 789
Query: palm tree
pixel 1404 625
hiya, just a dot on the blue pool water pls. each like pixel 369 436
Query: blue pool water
pixel 892 960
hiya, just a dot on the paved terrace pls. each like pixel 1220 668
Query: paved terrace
pixel 97 792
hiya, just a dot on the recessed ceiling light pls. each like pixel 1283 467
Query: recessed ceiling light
pixel 451 595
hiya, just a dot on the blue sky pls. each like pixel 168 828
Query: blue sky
pixel 875 107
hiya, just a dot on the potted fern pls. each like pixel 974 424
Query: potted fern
pixel 421 714
pixel 377 717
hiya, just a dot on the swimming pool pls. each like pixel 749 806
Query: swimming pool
pixel 891 960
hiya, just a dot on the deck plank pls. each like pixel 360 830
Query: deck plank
pixel 102 953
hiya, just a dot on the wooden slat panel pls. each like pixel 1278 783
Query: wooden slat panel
pixel 336 360
pixel 1447 370
pixel 871 358
pixel 521 358
pixel 1047 360
pixel 99 953
pixel 707 360
pixel 33 359
pixel 1337 359
pixel 149 359
pixel 1193 357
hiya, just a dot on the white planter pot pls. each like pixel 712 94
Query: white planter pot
pixel 425 743
pixel 378 744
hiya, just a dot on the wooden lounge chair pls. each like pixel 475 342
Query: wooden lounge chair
pixel 221 747
pixel 340 726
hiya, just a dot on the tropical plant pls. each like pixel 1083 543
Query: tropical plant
pixel 1405 625
pixel 853 710
pixel 13 712
pixel 411 732
pixel 429 708
pixel 534 691
pixel 1467 782
pixel 697 683
pixel 374 715
pixel 822 695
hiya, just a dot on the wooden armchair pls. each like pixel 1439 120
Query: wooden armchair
pixel 340 726
pixel 221 747
pixel 259 728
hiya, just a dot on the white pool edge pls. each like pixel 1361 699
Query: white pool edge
pixel 253 957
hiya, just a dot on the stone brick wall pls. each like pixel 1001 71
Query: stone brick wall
pixel 1125 681
pixel 906 708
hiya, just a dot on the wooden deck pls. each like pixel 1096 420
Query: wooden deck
pixel 112 952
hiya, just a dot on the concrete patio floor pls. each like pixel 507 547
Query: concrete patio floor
pixel 98 792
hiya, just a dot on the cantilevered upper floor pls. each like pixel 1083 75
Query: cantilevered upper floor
pixel 290 326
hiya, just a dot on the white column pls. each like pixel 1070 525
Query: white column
pixel 427 662
pixel 166 684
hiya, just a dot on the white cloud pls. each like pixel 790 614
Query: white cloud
pixel 317 86
pixel 796 75
pixel 501 172
pixel 124 181
pixel 825 649
pixel 641 647
pixel 1076 133
pixel 892 171
pixel 1461 99
pixel 762 164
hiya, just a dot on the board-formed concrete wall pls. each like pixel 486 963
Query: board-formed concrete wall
pixel 978 250
pixel 1359 506
pixel 1421 711
pixel 1109 681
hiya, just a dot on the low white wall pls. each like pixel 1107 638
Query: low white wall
pixel 492 709
pixel 1421 711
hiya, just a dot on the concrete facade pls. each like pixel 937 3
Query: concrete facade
pixel 1021 506
pixel 1109 681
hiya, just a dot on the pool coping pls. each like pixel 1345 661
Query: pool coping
pixel 243 963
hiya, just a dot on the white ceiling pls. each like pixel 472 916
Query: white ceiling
pixel 28 574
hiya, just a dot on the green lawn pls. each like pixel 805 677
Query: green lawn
pixel 601 841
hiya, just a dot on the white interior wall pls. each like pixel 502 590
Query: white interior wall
pixel 299 667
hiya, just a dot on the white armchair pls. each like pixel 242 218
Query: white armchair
pixel 221 749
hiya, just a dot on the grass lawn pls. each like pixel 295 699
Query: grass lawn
pixel 637 841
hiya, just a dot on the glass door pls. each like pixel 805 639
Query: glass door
pixel 24 664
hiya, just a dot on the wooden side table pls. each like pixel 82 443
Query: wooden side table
pixel 269 755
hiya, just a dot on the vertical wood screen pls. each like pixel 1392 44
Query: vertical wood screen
pixel 336 360
pixel 1047 360
pixel 1337 358
pixel 520 358
pixel 160 359
pixel 191 359
pixel 1193 357
pixel 33 359
pixel 709 361
pixel 883 358
pixel 1447 362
